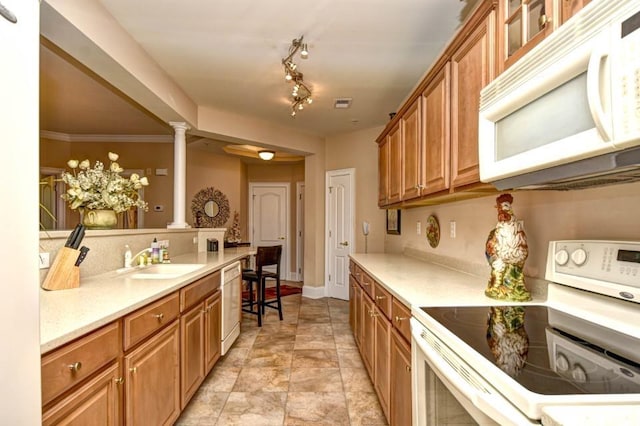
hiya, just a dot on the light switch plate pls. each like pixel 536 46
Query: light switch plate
pixel 452 228
pixel 418 228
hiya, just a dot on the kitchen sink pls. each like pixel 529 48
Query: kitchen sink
pixel 166 271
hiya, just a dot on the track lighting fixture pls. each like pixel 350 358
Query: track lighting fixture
pixel 301 93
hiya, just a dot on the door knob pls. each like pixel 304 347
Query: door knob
pixel 281 238
pixel 344 243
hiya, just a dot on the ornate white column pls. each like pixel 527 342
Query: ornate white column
pixel 179 175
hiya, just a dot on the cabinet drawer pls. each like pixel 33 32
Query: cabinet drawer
pixel 383 299
pixel 195 292
pixel 145 321
pixel 367 284
pixel 400 316
pixel 72 363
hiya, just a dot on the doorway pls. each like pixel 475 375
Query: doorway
pixel 339 237
pixel 269 218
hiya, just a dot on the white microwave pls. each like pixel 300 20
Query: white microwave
pixel 568 113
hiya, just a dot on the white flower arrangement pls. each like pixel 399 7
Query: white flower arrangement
pixel 96 188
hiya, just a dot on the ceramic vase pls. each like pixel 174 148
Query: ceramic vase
pixel 99 219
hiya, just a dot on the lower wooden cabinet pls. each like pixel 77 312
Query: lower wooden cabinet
pixel 212 330
pixel 400 369
pixel 98 402
pixel 152 380
pixel 367 345
pixel 382 365
pixel 199 344
pixel 381 331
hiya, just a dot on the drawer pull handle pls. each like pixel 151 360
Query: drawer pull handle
pixel 398 319
pixel 408 368
pixel 75 367
pixel 133 369
pixel 160 316
pixel 380 297
pixel 119 380
pixel 367 284
pixel 373 313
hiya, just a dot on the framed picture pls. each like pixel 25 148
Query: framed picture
pixel 393 221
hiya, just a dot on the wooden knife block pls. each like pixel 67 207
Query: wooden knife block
pixel 63 273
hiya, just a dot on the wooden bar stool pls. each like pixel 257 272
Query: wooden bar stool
pixel 265 256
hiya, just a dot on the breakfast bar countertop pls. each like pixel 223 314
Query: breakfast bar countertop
pixel 68 314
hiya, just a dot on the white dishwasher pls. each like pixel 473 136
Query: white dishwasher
pixel 231 282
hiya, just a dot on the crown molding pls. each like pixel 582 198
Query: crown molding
pixel 66 137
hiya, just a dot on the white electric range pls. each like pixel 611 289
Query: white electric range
pixel 504 364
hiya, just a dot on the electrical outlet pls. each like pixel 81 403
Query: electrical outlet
pixel 418 227
pixel 452 228
pixel 43 260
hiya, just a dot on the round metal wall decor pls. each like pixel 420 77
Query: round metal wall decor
pixel 210 208
pixel 433 231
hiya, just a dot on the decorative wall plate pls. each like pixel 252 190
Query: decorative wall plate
pixel 210 208
pixel 433 231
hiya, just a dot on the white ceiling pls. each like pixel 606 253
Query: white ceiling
pixel 227 54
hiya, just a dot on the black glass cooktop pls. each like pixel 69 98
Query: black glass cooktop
pixel 547 351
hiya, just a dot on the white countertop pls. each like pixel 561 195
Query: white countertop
pixel 100 299
pixel 418 283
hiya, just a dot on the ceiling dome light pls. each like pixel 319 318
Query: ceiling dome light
pixel 288 77
pixel 266 155
pixel 304 54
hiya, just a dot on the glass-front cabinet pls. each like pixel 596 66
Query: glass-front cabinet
pixel 524 24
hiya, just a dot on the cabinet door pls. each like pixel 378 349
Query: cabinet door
pixel 523 23
pixel 571 7
pixel 191 351
pixel 472 68
pixel 152 380
pixel 358 316
pixel 411 152
pixel 382 360
pixel 383 173
pixel 368 334
pixel 435 115
pixel 352 303
pixel 97 402
pixel 395 163
pixel 400 392
pixel 212 330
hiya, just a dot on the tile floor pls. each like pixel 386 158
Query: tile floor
pixel 304 370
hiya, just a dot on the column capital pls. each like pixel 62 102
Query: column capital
pixel 179 125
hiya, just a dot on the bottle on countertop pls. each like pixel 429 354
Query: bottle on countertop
pixel 164 251
pixel 155 251
pixel 127 256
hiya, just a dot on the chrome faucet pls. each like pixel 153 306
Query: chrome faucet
pixel 133 258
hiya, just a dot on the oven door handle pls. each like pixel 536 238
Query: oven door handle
pixel 469 384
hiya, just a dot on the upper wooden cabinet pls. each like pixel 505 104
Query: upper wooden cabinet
pixel 395 164
pixel 571 7
pixel 472 68
pixel 437 128
pixel 383 172
pixel 523 24
pixel 436 119
pixel 411 152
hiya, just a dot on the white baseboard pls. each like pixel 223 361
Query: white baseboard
pixel 313 292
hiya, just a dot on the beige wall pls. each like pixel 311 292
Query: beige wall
pixel 222 172
pixel 359 150
pixel 599 213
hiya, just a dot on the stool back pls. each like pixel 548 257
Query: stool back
pixel 268 256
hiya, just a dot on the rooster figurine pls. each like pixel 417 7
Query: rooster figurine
pixel 506 252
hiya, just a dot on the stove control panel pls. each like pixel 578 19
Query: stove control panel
pixel 611 266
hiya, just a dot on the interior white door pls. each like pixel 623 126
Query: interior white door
pixel 339 236
pixel 269 216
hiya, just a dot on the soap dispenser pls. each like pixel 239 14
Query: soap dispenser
pixel 155 251
pixel 127 256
